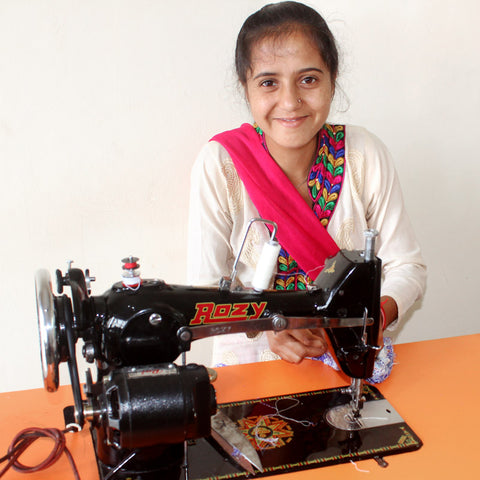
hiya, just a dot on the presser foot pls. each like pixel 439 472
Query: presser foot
pixel 374 413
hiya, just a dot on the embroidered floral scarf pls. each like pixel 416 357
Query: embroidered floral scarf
pixel 324 183
pixel 304 239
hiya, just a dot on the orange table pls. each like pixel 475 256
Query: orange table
pixel 434 386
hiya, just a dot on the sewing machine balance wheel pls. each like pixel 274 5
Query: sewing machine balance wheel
pixel 57 342
pixel 48 328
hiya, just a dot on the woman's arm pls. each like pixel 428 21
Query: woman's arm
pixel 403 266
pixel 210 225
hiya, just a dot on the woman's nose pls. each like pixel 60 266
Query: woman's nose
pixel 289 97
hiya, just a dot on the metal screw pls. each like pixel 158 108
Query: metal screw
pixel 279 322
pixel 155 319
pixel 185 335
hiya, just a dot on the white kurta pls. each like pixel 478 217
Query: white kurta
pixel 371 197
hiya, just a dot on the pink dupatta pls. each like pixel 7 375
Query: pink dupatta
pixel 299 230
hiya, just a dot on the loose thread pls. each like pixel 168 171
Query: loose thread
pixel 313 271
pixel 304 423
pixel 272 441
pixel 359 469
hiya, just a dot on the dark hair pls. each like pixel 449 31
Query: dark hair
pixel 277 20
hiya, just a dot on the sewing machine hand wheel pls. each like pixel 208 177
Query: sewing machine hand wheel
pixel 57 343
pixel 47 327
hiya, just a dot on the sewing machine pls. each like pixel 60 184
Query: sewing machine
pixel 142 407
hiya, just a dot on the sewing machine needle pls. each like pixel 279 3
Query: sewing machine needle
pixel 229 437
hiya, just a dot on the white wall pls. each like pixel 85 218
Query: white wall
pixel 104 105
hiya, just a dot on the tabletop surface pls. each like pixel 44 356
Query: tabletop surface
pixel 434 386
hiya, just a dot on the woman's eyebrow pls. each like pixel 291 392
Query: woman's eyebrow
pixel 264 74
pixel 303 70
pixel 309 69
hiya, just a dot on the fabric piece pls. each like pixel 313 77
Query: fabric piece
pixel 299 232
pixel 383 363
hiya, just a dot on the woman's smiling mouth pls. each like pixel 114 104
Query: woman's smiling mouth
pixel 290 122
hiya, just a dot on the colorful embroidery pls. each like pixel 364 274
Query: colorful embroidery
pixel 266 432
pixel 289 274
pixel 326 176
pixel 324 182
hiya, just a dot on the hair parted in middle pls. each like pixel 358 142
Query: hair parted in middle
pixel 277 20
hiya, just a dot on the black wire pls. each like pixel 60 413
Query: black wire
pixel 25 438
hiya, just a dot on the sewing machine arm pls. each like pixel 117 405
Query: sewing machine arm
pixel 141 401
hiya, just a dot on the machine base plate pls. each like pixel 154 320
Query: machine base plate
pixel 292 433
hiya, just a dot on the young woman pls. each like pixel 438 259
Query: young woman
pixel 325 183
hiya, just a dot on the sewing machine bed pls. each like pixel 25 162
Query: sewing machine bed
pixel 290 433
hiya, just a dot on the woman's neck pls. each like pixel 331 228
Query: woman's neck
pixel 296 163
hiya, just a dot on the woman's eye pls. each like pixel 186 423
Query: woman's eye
pixel 267 83
pixel 309 80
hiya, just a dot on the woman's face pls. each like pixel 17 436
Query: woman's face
pixel 290 90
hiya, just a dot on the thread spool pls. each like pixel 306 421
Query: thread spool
pixel 266 266
pixel 131 276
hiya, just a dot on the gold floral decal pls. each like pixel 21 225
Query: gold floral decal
pixel 266 431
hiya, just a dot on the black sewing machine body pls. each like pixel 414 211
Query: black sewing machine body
pixel 142 406
pixel 157 322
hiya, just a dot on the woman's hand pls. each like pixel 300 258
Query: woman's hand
pixel 294 345
pixel 390 311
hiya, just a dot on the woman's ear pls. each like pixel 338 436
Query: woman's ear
pixel 334 87
pixel 245 93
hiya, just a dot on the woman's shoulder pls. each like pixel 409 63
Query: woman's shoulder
pixel 216 147
pixel 360 137
pixel 361 142
pixel 212 156
pixel 214 169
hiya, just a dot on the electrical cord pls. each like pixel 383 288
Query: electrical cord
pixel 25 438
